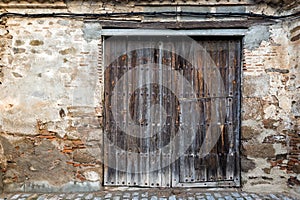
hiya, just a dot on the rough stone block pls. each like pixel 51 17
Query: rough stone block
pixel 248 132
pixel 252 108
pixel 259 150
pixel 256 86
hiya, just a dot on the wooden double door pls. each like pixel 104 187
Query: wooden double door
pixel 172 111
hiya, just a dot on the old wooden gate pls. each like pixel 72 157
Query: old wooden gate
pixel 171 111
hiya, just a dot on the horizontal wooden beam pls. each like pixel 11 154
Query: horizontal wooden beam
pixel 182 25
pixel 168 32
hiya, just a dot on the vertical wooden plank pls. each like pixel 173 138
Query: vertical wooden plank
pixel 133 108
pixel 121 136
pixel 192 101
pixel 205 108
pixel 220 97
pixel 110 175
pixel 231 153
pixel 237 108
pixel 210 157
pixel 161 112
pixel 175 107
pixel 145 142
pixel 153 126
pixel 223 141
pixel 182 172
pixel 106 108
pixel 166 127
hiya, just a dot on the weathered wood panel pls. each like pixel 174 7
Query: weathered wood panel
pixel 221 166
pixel 154 101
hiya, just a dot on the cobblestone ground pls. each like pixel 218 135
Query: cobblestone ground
pixel 150 195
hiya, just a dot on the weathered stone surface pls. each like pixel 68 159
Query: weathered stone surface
pixel 92 175
pixel 45 163
pixel 247 164
pixel 270 123
pixel 18 50
pixel 252 108
pixel 91 31
pixel 70 50
pixel 272 139
pixel 256 86
pixel 296 168
pixel 248 132
pixel 255 36
pixel 259 150
pixel 36 42
pixel 19 42
pixel 83 156
pixel 296 108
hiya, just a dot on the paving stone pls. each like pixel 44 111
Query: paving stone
pixel 225 194
pixel 210 197
pixel 154 198
pixel 217 195
pixel 16 196
pixel 97 198
pixel 144 198
pixel 89 196
pixel 145 194
pixel 235 194
pixel 163 198
pixel 228 198
pixel 116 198
pixel 42 197
pixel 108 195
pixel 287 198
pixel 273 196
pixel 126 195
pixel 70 196
pixel 135 194
pixel 248 198
pixel 254 195
pixel 26 195
pixel 244 194
pixel 173 197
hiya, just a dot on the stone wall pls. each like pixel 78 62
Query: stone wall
pixel 270 143
pixel 50 105
pixel 52 93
